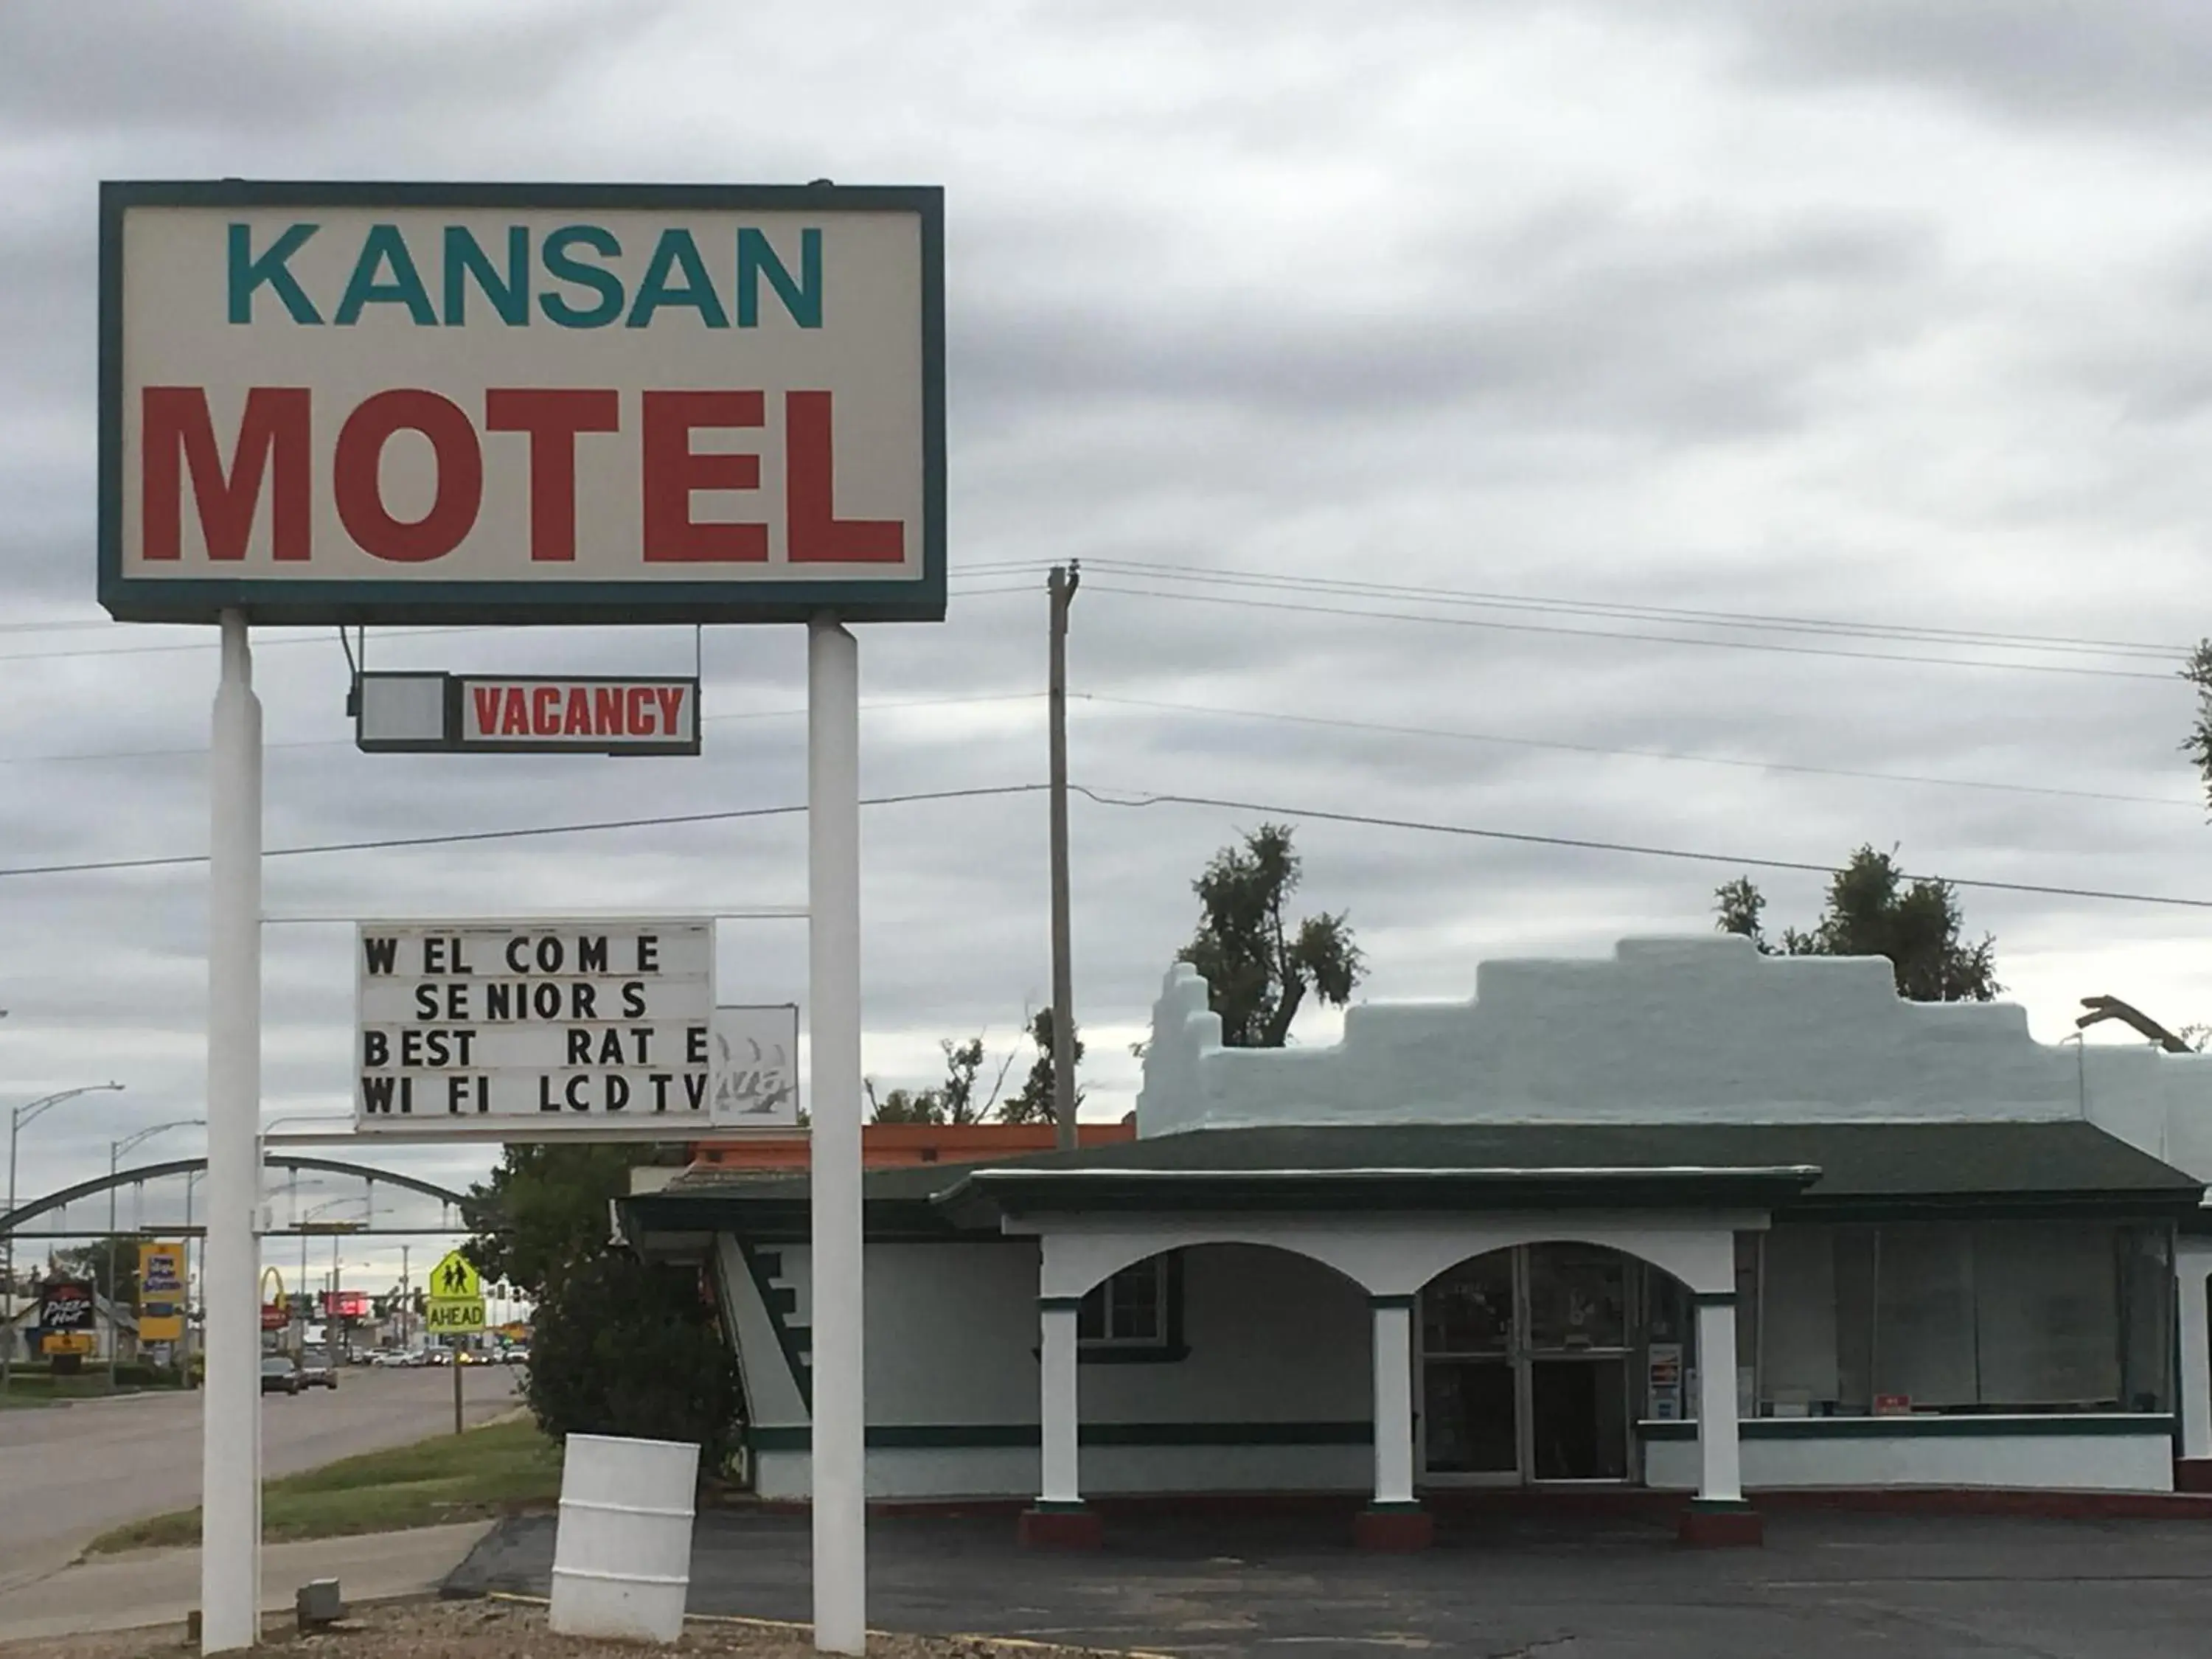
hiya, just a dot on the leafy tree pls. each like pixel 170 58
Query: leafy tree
pixel 544 1208
pixel 618 1346
pixel 952 1101
pixel 1257 968
pixel 2197 745
pixel 1032 1101
pixel 1871 911
pixel 89 1262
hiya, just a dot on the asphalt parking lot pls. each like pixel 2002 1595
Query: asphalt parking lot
pixel 1827 1584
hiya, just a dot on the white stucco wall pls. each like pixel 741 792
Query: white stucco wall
pixel 1696 1029
pixel 2049 1458
pixel 1277 1344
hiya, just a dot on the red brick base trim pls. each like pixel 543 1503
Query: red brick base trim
pixel 1732 1526
pixel 1060 1529
pixel 2193 1475
pixel 1402 1529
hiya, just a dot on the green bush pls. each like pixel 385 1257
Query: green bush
pixel 623 1346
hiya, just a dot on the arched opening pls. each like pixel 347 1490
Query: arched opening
pixel 1215 1365
pixel 1534 1364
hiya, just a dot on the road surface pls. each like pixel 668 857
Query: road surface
pixel 68 1473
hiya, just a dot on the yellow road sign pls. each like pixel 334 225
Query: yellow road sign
pixel 455 1279
pixel 453 1316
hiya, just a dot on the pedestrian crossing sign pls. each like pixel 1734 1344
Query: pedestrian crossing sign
pixel 455 1279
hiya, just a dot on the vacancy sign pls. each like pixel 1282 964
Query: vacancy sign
pixel 429 713
pixel 358 403
pixel 532 1029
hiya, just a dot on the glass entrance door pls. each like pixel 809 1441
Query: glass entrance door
pixel 1470 1383
pixel 1524 1368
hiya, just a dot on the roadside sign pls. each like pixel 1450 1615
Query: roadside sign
pixel 161 1293
pixel 81 1343
pixel 337 403
pixel 441 1318
pixel 275 1316
pixel 455 1279
pixel 536 1028
pixel 67 1305
pixel 484 714
pixel 455 1306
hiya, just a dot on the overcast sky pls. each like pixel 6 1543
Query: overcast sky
pixel 1858 311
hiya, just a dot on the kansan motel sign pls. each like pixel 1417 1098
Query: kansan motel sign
pixel 360 406
pixel 373 404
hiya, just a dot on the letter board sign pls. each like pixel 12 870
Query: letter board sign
pixel 536 1028
pixel 378 403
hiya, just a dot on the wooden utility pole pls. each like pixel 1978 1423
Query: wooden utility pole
pixel 1061 587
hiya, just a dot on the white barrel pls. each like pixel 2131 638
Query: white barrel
pixel 622 1555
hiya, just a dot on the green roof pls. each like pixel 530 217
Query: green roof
pixel 1811 1170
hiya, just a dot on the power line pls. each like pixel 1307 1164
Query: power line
pixel 1124 799
pixel 458 837
pixel 1640 754
pixel 315 637
pixel 1654 639
pixel 1136 799
pixel 1921 633
pixel 347 742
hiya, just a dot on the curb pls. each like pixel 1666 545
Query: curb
pixel 790 1626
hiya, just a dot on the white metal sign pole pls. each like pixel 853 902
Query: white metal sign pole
pixel 230 1549
pixel 833 894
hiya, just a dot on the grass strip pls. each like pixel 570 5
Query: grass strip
pixel 491 1471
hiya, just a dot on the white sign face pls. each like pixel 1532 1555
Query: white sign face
pixel 595 1028
pixel 503 403
pixel 757 1067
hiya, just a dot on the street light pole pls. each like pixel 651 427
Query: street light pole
pixel 30 1112
pixel 115 1150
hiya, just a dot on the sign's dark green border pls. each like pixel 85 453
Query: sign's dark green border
pixel 520 604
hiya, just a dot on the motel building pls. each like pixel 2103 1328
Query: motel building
pixel 1685 1222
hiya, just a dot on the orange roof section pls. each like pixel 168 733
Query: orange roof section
pixel 898 1145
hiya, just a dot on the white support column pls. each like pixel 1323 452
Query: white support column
pixel 2192 1262
pixel 1059 1472
pixel 1393 1399
pixel 1720 1478
pixel 839 1470
pixel 230 1554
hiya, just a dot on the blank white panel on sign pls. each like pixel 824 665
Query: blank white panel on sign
pixel 401 709
pixel 757 1067
pixel 544 1027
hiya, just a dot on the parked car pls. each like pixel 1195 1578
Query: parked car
pixel 517 1355
pixel 316 1371
pixel 279 1375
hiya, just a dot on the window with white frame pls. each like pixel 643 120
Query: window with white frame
pixel 1129 1310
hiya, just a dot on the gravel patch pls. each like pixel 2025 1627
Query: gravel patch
pixel 514 1630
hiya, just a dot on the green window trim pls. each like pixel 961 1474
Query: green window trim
pixel 973 1436
pixel 1928 1426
